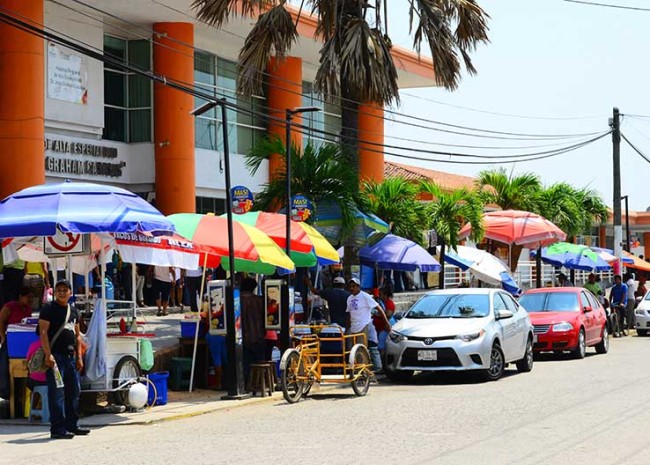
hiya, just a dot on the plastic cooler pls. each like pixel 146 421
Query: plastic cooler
pixel 331 347
pixel 19 338
pixel 159 379
pixel 188 327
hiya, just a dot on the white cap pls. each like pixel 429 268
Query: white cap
pixel 339 280
pixel 355 281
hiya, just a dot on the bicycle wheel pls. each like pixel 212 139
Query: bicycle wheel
pixel 622 321
pixel 361 374
pixel 293 369
pixel 616 327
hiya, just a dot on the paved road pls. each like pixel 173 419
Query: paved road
pixel 565 411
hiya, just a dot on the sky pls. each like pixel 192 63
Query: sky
pixel 559 68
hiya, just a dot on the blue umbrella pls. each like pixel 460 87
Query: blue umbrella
pixel 396 253
pixel 78 208
pixel 368 228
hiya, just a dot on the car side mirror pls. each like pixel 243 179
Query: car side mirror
pixel 398 315
pixel 504 314
pixel 588 309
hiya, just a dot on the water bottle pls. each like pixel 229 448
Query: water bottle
pixel 276 356
pixel 58 379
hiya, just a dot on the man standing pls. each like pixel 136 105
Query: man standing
pixel 631 299
pixel 361 306
pixel 594 287
pixel 162 285
pixel 63 355
pixel 336 297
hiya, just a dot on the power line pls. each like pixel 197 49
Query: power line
pixel 635 148
pixel 150 75
pixel 608 5
pixel 510 135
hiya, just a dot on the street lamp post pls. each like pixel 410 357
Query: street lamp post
pixel 235 365
pixel 627 224
pixel 284 317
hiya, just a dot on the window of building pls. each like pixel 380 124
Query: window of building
pixel 127 95
pixel 209 205
pixel 217 77
pixel 324 125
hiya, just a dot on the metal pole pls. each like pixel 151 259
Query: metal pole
pixel 627 226
pixel 615 124
pixel 284 309
pixel 233 340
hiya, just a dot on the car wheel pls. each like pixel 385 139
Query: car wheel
pixel 603 346
pixel 526 364
pixel 581 349
pixel 400 376
pixel 642 332
pixel 497 364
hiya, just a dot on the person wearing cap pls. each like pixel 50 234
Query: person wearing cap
pixel 360 308
pixel 336 297
pixel 64 353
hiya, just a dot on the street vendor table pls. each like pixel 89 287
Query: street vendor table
pixel 17 370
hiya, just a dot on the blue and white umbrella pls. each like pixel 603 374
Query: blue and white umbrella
pixel 483 266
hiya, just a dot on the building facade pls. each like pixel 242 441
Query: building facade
pixel 68 115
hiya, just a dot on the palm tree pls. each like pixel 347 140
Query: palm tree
pixel 355 64
pixel 510 193
pixel 448 212
pixel 395 201
pixel 319 173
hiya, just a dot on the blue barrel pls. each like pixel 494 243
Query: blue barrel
pixel 159 379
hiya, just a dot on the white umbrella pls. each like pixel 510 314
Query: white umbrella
pixel 482 265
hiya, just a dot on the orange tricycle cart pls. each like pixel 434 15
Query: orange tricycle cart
pixel 324 354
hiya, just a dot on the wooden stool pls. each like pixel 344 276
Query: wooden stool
pixel 261 379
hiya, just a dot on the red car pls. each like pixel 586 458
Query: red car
pixel 566 319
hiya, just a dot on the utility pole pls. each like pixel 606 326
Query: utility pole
pixel 615 124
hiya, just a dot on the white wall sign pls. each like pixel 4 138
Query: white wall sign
pixel 67 76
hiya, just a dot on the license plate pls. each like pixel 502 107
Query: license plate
pixel 427 355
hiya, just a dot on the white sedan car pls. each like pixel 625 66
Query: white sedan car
pixel 642 315
pixel 461 329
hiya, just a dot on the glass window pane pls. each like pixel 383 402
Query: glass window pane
pixel 205 133
pixel 226 75
pixel 204 69
pixel 140 53
pixel 140 126
pixel 114 89
pixel 139 91
pixel 114 124
pixel 115 48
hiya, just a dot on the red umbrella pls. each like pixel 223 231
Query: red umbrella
pixel 515 227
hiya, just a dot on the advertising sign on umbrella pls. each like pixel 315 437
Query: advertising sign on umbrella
pixel 242 199
pixel 301 208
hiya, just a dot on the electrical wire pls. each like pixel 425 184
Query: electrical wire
pixel 518 136
pixel 124 66
pixel 635 148
pixel 608 5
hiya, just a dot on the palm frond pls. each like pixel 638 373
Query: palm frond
pixel 218 12
pixel 273 33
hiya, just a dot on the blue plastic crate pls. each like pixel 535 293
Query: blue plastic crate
pixel 188 327
pixel 18 342
pixel 159 379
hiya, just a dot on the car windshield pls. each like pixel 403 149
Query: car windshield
pixel 450 306
pixel 550 302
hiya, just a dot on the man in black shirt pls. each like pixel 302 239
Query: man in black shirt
pixel 336 297
pixel 64 355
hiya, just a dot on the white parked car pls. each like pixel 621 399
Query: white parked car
pixel 642 316
pixel 461 329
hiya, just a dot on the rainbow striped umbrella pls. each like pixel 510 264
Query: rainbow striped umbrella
pixel 307 245
pixel 254 251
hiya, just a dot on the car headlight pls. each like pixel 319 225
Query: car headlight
pixel 562 327
pixel 397 337
pixel 470 336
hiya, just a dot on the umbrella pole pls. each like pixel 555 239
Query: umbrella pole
pixel 134 297
pixel 198 322
pixel 538 267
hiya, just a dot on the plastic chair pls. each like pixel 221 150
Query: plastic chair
pixel 39 408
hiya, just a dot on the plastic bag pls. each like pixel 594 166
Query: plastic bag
pixel 146 354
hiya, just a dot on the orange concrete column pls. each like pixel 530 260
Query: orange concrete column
pixel 22 100
pixel 173 57
pixel 371 138
pixel 646 245
pixel 602 236
pixel 285 91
